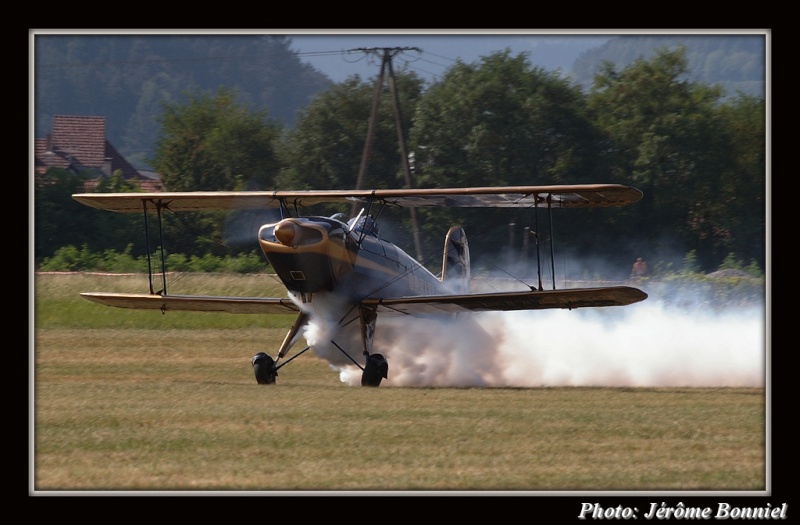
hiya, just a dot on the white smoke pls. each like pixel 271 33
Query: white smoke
pixel 645 344
pixel 649 344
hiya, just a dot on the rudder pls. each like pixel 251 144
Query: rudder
pixel 455 260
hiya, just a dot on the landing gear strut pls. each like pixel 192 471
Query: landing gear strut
pixel 266 368
pixel 375 368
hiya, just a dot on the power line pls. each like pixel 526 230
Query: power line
pixel 402 53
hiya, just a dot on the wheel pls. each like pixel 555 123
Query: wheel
pixel 264 369
pixel 375 370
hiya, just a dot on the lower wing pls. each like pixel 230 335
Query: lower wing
pixel 195 303
pixel 507 301
pixel 416 305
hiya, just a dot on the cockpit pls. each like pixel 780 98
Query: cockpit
pixel 366 225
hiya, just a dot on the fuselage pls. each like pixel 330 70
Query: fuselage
pixel 321 254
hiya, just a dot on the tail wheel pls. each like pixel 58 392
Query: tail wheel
pixel 264 369
pixel 375 370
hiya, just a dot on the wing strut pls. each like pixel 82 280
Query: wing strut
pixel 536 238
pixel 161 247
pixel 552 243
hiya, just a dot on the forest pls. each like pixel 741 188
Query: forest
pixel 698 154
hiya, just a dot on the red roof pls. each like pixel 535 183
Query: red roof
pixel 79 142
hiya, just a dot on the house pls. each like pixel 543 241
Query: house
pixel 78 143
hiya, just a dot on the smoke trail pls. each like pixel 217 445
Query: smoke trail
pixel 646 344
pixel 649 344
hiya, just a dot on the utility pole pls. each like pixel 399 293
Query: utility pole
pixel 386 62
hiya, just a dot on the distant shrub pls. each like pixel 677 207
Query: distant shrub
pixel 115 262
pixel 204 263
pixel 731 262
pixel 177 262
pixel 72 259
pixel 245 263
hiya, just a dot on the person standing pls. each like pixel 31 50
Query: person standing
pixel 639 269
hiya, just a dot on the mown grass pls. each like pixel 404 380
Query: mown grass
pixel 138 401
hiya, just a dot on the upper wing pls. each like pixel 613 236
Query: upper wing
pixel 558 196
pixel 507 301
pixel 195 303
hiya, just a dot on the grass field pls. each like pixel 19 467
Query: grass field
pixel 137 401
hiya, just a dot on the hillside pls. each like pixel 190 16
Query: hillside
pixel 735 62
pixel 126 78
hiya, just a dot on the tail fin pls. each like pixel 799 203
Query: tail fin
pixel 455 261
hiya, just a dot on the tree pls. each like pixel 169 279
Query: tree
pixel 668 137
pixel 501 122
pixel 61 221
pixel 213 143
pixel 505 122
pixel 58 219
pixel 325 149
pixel 743 189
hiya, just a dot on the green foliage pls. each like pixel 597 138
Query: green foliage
pixel 500 122
pixel 753 268
pixel 246 263
pixel 113 261
pixel 61 221
pixel 736 62
pixel 715 291
pixel 690 265
pixel 116 184
pixel 674 140
pixel 326 148
pixel 58 219
pixel 503 122
pixel 204 263
pixel 700 162
pixel 214 143
pixel 732 262
pixel 72 259
pixel 710 293
pixel 177 262
pixel 740 218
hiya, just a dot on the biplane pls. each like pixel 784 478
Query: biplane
pixel 340 267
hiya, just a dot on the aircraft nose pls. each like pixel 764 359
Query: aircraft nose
pixel 286 232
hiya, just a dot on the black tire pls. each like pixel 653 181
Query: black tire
pixel 375 370
pixel 264 369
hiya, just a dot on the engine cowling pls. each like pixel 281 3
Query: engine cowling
pixel 309 254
